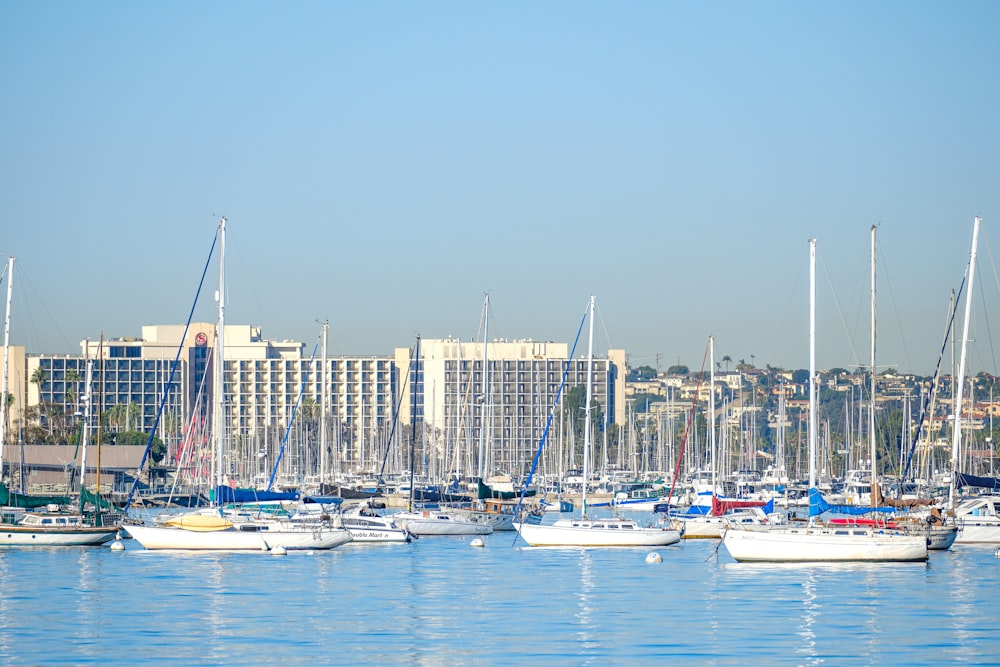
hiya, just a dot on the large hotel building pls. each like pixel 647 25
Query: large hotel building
pixel 165 378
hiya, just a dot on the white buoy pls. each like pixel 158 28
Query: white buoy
pixel 117 546
pixel 654 558
pixel 278 550
pixel 477 543
pixel 997 554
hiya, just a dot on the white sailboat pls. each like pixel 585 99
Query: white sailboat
pixel 978 517
pixel 863 486
pixel 717 510
pixel 213 529
pixel 366 525
pixel 815 542
pixel 584 531
pixel 428 521
pixel 55 526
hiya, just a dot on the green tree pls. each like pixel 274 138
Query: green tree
pixel 72 380
pixel 641 374
pixel 576 401
pixel 800 376
pixel 309 408
pixel 6 427
pixel 641 402
pixel 679 369
pixel 136 439
pixel 121 417
pixel 39 377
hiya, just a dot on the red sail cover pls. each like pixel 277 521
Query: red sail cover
pixel 720 507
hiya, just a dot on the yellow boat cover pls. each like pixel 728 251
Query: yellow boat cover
pixel 200 522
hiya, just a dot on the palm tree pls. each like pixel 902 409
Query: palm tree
pixel 10 403
pixel 114 417
pixel 727 359
pixel 72 379
pixel 40 377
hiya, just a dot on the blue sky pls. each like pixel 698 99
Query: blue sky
pixel 383 165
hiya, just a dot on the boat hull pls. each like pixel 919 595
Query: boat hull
pixel 972 531
pixel 702 527
pixel 378 535
pixel 20 536
pixel 437 523
pixel 374 529
pixel 596 533
pixel 235 539
pixel 812 544
pixel 941 538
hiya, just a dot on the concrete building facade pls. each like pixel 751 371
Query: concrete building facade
pixel 273 395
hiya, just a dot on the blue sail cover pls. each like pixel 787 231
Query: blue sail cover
pixel 818 505
pixel 225 494
pixel 991 483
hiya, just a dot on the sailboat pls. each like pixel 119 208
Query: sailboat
pixel 815 542
pixel 882 512
pixel 978 517
pixel 583 531
pixel 707 519
pixel 214 529
pixel 54 526
pixel 428 521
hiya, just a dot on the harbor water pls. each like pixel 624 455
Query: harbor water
pixel 442 601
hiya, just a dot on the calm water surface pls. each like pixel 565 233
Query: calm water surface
pixel 440 601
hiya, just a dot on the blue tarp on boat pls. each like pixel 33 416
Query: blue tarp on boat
pixel 818 505
pixel 225 494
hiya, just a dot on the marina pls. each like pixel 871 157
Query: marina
pixel 440 601
pixel 341 334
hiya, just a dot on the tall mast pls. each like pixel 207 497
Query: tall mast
pixel 812 363
pixel 6 348
pixel 100 387
pixel 956 432
pixel 220 337
pixel 586 410
pixel 325 400
pixel 711 408
pixel 484 412
pixel 413 417
pixel 871 408
pixel 85 433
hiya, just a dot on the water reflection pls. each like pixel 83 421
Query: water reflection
pixel 585 611
pixel 806 646
pixel 438 601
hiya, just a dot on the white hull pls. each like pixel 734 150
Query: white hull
pixel 19 536
pixel 815 544
pixel 984 531
pixel 647 505
pixel 978 520
pixel 374 529
pixel 702 527
pixel 440 523
pixel 498 521
pixel 236 539
pixel 379 535
pixel 596 533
